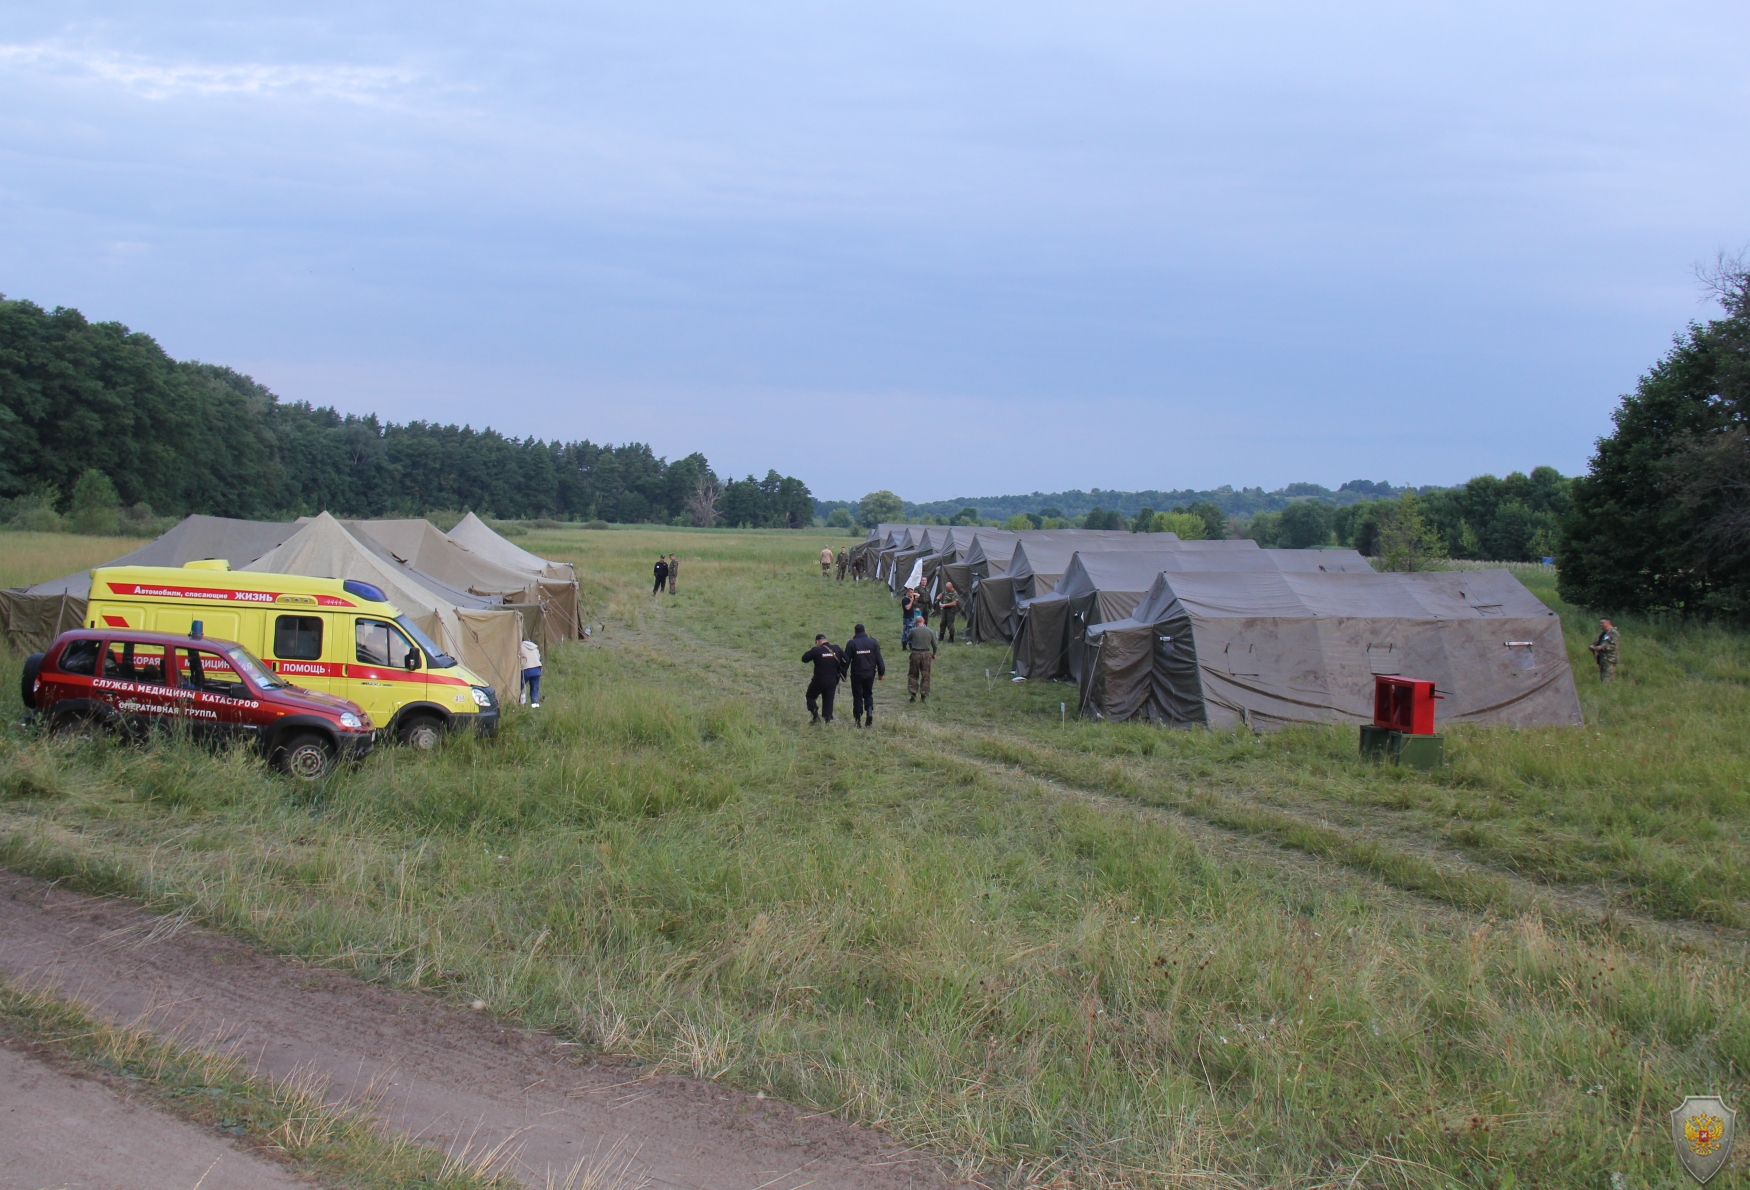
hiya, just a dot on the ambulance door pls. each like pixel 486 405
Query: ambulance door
pixel 298 641
pixel 389 672
pixel 178 620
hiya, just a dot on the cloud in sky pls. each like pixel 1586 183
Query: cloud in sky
pixel 949 251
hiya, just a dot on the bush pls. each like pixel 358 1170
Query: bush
pixel 96 507
pixel 596 525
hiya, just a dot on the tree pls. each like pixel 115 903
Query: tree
pixel 1214 519
pixel 1018 522
pixel 966 516
pixel 1657 519
pixel 702 501
pixel 1187 525
pixel 96 507
pixel 1144 518
pixel 839 518
pixel 1406 540
pixel 880 508
pixel 1305 524
pixel 1100 518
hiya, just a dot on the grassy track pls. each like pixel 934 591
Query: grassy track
pixel 1094 954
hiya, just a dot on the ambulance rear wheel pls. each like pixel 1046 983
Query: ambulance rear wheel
pixel 307 757
pixel 422 732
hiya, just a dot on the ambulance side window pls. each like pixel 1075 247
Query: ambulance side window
pixel 298 638
pixel 380 643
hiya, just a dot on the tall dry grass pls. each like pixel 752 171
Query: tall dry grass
pixel 1103 956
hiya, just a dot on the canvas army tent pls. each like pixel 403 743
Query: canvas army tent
pixel 477 630
pixel 556 588
pixel 1270 649
pixel 34 616
pixel 1098 587
pixel 1033 570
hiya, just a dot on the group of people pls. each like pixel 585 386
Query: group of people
pixel 666 569
pixel 858 569
pixel 861 661
pixel 916 606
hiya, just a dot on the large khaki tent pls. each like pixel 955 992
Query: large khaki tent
pixel 480 632
pixel 490 566
pixel 1107 585
pixel 555 583
pixel 1033 570
pixel 1270 649
pixel 34 616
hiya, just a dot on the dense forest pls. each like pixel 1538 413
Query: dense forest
pixel 1661 520
pixel 165 437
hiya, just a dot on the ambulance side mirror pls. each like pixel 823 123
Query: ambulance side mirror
pixel 412 661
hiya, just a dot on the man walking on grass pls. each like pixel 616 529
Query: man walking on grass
pixel 948 603
pixel 844 560
pixel 828 665
pixel 661 574
pixel 1604 648
pixel 825 560
pixel 923 655
pixel 864 654
pixel 674 568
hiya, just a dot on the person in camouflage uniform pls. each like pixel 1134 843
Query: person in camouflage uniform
pixel 948 605
pixel 1604 648
pixel 844 561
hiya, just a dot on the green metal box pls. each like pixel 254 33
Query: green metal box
pixel 1417 751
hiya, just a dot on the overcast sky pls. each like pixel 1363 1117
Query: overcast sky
pixel 948 249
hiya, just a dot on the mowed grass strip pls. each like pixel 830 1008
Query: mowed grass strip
pixel 665 862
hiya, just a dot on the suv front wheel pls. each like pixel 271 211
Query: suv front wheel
pixel 308 757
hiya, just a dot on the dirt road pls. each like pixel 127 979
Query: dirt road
pixel 447 1076
pixel 67 1133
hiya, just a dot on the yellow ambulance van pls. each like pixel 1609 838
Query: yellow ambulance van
pixel 337 636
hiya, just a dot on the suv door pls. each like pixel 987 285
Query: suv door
pixel 211 696
pixel 136 683
pixel 389 672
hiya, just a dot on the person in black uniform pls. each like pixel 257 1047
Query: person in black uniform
pixel 829 666
pixel 661 575
pixel 863 653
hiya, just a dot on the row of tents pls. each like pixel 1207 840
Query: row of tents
pixel 476 594
pixel 1225 633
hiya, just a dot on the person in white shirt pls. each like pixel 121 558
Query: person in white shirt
pixel 531 659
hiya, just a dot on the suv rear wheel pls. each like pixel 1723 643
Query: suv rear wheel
pixel 33 665
pixel 308 757
pixel 77 725
pixel 423 732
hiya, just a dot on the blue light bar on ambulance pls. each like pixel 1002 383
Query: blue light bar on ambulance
pixel 365 591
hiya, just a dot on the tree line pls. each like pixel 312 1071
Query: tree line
pixel 98 424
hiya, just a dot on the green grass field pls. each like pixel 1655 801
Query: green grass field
pixel 1057 954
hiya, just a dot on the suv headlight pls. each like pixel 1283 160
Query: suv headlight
pixel 348 719
pixel 482 697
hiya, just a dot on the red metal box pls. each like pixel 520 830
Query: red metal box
pixel 1403 704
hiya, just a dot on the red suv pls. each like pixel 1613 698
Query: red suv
pixel 129 682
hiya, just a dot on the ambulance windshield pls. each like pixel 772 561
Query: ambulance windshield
pixel 434 656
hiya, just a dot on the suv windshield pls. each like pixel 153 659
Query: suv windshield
pixel 435 657
pixel 254 670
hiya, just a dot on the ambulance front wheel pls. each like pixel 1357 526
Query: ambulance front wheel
pixel 422 732
pixel 307 757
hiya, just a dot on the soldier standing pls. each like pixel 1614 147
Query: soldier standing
pixel 923 655
pixel 949 606
pixel 661 571
pixel 828 665
pixel 674 568
pixel 864 652
pixel 825 560
pixel 909 607
pixel 844 561
pixel 1604 648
